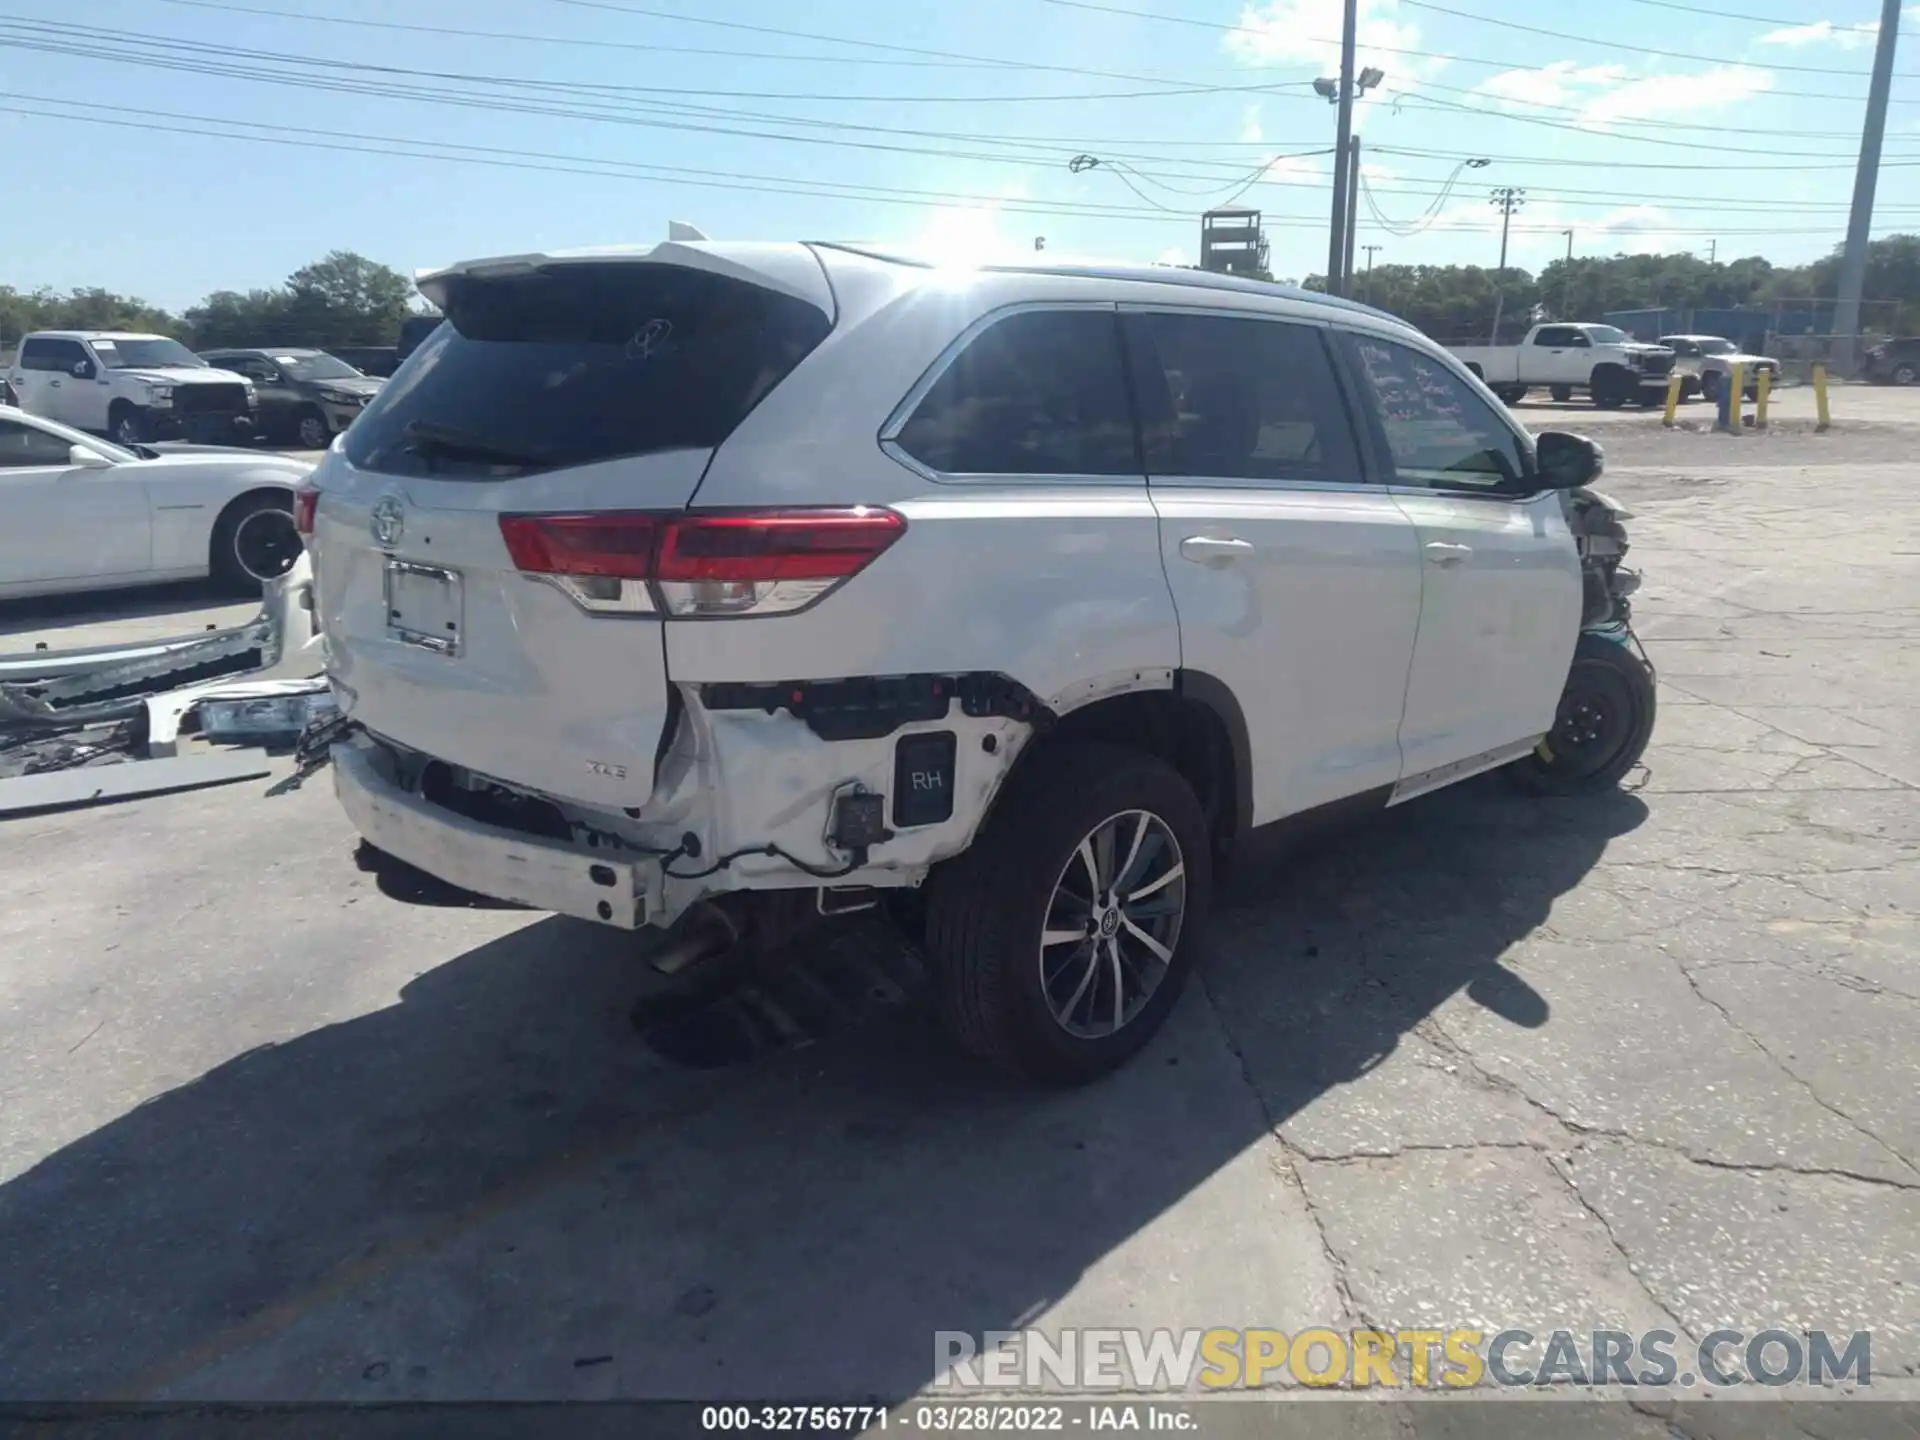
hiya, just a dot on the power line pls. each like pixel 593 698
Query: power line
pixel 128 36
pixel 1506 24
pixel 1742 18
pixel 1423 53
pixel 458 152
pixel 138 49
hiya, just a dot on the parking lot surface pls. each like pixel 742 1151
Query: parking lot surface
pixel 276 1128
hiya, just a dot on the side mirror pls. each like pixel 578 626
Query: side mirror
pixel 82 457
pixel 1567 461
pixel 82 370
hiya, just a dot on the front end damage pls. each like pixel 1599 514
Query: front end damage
pixel 773 804
pixel 1597 522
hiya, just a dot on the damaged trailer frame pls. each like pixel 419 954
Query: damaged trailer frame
pixel 141 695
pixel 58 689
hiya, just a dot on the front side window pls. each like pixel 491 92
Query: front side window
pixel 1438 432
pixel 1556 336
pixel 28 445
pixel 1041 392
pixel 1238 398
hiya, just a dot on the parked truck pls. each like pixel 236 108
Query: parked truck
pixel 1607 364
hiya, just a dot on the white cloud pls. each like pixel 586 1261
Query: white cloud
pixel 1602 95
pixel 1370 171
pixel 1307 32
pixel 1824 32
pixel 1250 130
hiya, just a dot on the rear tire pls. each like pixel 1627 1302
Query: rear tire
pixel 1710 387
pixel 1044 1008
pixel 1561 393
pixel 1601 728
pixel 1510 394
pixel 253 542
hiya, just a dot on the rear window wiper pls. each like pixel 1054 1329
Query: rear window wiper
pixel 429 438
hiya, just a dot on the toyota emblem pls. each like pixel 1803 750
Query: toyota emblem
pixel 388 521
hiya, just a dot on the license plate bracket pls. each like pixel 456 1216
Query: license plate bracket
pixel 424 606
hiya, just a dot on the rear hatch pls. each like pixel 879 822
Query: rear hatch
pixel 570 385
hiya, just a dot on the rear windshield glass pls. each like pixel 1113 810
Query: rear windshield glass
pixel 582 363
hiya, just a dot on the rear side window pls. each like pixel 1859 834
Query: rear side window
pixel 61 355
pixel 1041 392
pixel 582 363
pixel 1238 398
pixel 1438 431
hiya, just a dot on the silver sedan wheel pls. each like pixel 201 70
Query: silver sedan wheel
pixel 1112 924
pixel 315 433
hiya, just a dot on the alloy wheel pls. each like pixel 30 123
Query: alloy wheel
pixel 1112 924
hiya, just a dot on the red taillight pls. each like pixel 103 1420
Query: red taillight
pixel 306 500
pixel 775 545
pixel 721 563
pixel 617 545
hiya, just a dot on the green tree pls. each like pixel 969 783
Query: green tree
pixel 347 299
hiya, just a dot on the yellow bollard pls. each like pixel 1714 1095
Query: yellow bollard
pixel 1763 383
pixel 1674 383
pixel 1736 397
pixel 1820 395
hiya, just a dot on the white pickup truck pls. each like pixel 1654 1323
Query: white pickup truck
pixel 1606 363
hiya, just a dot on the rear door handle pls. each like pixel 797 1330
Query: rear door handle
pixel 1441 553
pixel 1214 550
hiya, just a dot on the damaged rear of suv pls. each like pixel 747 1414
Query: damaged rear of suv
pixel 721 587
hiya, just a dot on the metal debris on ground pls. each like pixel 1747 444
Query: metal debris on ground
pixel 78 714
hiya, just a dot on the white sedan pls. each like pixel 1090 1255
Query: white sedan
pixel 80 513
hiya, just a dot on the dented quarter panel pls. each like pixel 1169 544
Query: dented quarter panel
pixel 741 779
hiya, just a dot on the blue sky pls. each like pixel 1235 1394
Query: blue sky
pixel 1647 125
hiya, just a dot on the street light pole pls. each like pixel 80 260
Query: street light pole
pixel 1369 288
pixel 1353 213
pixel 1853 262
pixel 1336 239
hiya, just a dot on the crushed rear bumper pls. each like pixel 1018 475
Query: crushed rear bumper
pixel 544 874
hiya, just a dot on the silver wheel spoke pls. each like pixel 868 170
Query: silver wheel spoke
pixel 1174 872
pixel 1119 985
pixel 1126 869
pixel 1093 967
pixel 1093 870
pixel 1161 952
pixel 1051 938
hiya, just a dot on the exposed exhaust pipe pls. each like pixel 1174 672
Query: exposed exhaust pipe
pixel 704 932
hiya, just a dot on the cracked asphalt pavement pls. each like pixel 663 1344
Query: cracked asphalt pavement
pixel 276 1128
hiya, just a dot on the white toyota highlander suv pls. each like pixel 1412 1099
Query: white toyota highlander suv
pixel 719 587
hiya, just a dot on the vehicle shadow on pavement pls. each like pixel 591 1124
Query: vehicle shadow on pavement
pixel 494 1190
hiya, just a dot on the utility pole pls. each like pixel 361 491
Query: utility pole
pixel 1336 240
pixel 1370 249
pixel 1509 199
pixel 1713 252
pixel 1353 214
pixel 1566 280
pixel 1853 263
